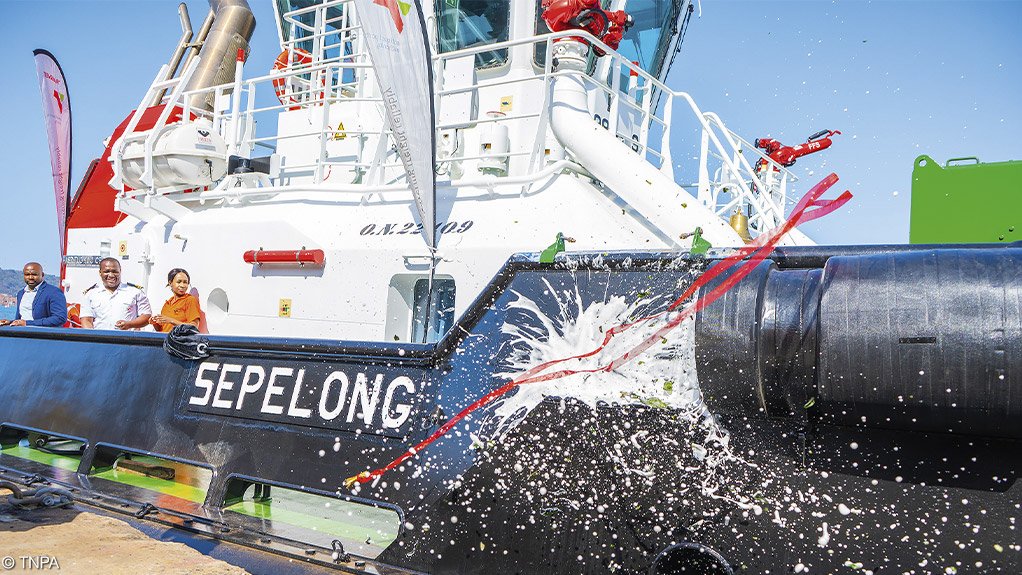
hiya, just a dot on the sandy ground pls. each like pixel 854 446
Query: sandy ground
pixel 78 542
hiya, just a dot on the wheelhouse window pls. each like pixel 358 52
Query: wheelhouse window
pixel 539 52
pixel 649 38
pixel 469 23
pixel 432 313
pixel 302 22
pixel 298 20
pixel 541 28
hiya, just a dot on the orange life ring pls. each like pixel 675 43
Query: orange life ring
pixel 284 86
pixel 73 315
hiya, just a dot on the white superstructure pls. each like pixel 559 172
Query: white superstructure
pixel 534 137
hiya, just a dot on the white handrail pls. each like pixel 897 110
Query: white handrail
pixel 323 86
pixel 487 182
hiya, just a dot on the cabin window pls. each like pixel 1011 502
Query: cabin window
pixel 304 24
pixel 646 42
pixel 432 315
pixel 336 38
pixel 469 23
pixel 541 28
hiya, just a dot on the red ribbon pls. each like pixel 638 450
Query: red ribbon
pixel 809 208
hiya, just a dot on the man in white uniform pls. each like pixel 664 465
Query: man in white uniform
pixel 112 304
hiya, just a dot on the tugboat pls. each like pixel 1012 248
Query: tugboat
pixel 553 357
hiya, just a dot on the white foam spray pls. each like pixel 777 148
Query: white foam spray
pixel 663 377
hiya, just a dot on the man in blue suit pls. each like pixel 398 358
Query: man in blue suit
pixel 39 304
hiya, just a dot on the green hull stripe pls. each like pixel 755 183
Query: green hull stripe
pixel 287 508
pixel 58 461
pixel 355 531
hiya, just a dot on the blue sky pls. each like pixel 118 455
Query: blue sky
pixel 899 78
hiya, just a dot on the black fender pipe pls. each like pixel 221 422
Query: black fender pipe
pixel 920 340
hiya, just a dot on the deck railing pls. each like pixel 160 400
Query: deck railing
pixel 335 70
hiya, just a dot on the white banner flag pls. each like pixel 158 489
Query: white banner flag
pixel 395 34
pixel 57 118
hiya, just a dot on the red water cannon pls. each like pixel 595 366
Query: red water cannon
pixel 588 15
pixel 786 155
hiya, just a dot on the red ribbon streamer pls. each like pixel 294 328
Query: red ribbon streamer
pixel 758 250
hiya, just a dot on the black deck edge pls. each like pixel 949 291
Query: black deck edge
pixel 432 354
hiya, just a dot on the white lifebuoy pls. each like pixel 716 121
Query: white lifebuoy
pixel 285 86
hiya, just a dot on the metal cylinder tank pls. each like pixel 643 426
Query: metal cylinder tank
pixel 233 26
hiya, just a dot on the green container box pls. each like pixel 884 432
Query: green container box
pixel 965 201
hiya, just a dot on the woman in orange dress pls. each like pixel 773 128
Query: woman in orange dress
pixel 182 307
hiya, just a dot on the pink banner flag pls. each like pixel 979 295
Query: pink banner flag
pixel 57 117
pixel 396 38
